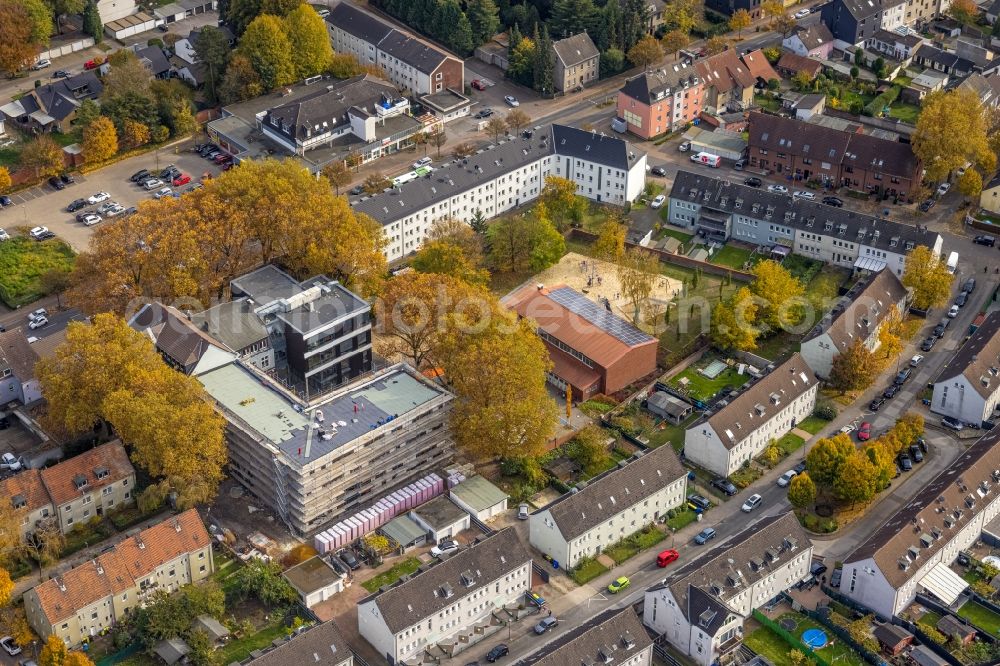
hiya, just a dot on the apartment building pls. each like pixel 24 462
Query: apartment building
pixel 661 101
pixel 237 327
pixel 854 22
pixel 84 601
pixel 312 463
pixel 90 484
pixel 362 108
pixel 320 331
pixel 814 41
pixel 504 176
pixel 719 210
pixel 700 609
pixel 767 409
pixel 609 507
pixel 592 350
pixel 858 315
pixel 729 79
pixel 811 152
pixel 184 346
pixel 968 388
pixel 444 604
pixel 577 62
pixel 321 645
pixel 409 63
pixel 612 637
pixel 914 549
pixel 29 498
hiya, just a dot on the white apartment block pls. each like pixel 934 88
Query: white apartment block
pixel 503 177
pixel 443 603
pixel 968 388
pixel 858 316
pixel 612 637
pixel 611 506
pixel 766 410
pixel 914 549
pixel 700 608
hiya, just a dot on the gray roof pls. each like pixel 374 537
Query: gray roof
pixel 654 86
pixel 312 575
pixel 440 512
pixel 403 530
pixel 814 36
pixel 979 358
pixel 616 635
pixel 890 634
pixel 327 109
pixel 732 566
pixel 63 97
pixel 413 52
pixel 233 323
pixel 466 572
pixel 868 303
pixel 154 55
pixel 215 629
pixel 459 175
pixel 614 491
pixel 864 8
pixel 924 656
pixel 760 401
pixel 668 404
pixel 575 50
pixel 952 61
pixel 322 645
pixel 171 650
pixel 478 493
pixel 809 216
pixel 359 23
pixel 891 37
pixel 370 28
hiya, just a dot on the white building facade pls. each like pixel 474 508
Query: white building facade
pixel 968 388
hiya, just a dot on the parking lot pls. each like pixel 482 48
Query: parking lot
pixel 45 206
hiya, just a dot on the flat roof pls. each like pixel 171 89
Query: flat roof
pixel 440 512
pixel 478 493
pixel 312 575
pixel 403 530
pixel 297 431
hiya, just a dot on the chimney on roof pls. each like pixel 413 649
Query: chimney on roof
pixel 177 525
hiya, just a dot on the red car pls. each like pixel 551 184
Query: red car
pixel 666 557
pixel 182 179
pixel 90 64
pixel 865 431
pixel 222 157
pixel 478 85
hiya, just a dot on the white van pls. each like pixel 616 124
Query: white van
pixel 619 125
pixel 953 262
pixel 708 159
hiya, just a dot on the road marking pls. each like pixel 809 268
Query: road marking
pixel 596 597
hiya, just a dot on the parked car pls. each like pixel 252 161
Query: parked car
pixel 182 179
pixel 619 584
pixel 922 443
pixel 684 147
pixel 139 176
pixel 890 391
pixel 91 64
pixel 666 557
pixel 927 205
pixel 422 162
pixel 522 511
pixel 67 178
pixel 56 183
pixel 9 646
pixel 803 194
pixel 38 323
pixel 41 233
pixel 40 312
pixel 953 424
pixel 817 568
pixel 928 343
pixel 445 547
pixel 350 559
pixel 752 503
pixel 969 286
pixel 953 311
pixel 835 577
pixel 696 501
pixel 905 462
pixel 962 299
pixel 658 171
pixel 705 536
pixel 90 219
pixel 876 404
pixel 833 201
pixel 725 485
pixel 511 100
pixel 356 190
pixel 9 461
pixel 865 431
pixel 902 376
pixel 322 12
pixel 98 197
pixel 777 189
pixel 985 239
pixel 916 453
pixel 42 64
pixel 802 13
pixel 60 74
pixel 658 201
pixel 940 328
pixel 478 85
pixel 496 652
pixel 5 201
pixel 76 205
pixel 4 236
pixel 916 360
pixel 943 189
pixel 545 624
pixel 168 171
pixel 753 181
pixel 799 468
pixel 786 478
pixel 484 113
pixel 162 192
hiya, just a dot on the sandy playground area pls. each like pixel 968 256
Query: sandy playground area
pixel 599 280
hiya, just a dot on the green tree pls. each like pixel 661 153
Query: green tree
pixel 86 113
pixel 802 491
pixel 854 369
pixel 264 581
pixel 309 41
pixel 55 281
pixel 562 202
pixel 484 18
pixel 241 82
pixel 826 457
pixel 519 244
pixel 447 259
pixel 928 276
pixel 92 23
pixel 612 61
pixel 522 62
pixel 63 8
pixel 479 223
pixel 570 17
pixel 212 49
pixel 175 107
pixel 545 63
pixel 269 51
pixel 239 14
pixel 589 449
pixel 39 19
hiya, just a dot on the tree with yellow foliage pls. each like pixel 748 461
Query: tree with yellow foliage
pixel 109 373
pixel 740 21
pixel 55 653
pixel 928 275
pixel 5 181
pixel 952 130
pixel 100 140
pixel 6 587
pixel 610 243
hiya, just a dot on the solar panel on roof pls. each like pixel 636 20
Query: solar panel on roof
pixel 612 324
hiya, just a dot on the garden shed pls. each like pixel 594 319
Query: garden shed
pixel 668 407
pixel 442 518
pixel 315 581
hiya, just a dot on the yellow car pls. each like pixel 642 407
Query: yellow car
pixel 619 584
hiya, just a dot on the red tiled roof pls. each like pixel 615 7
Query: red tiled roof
pixel 60 480
pixel 29 485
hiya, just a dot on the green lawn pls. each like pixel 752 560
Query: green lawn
pixel 775 649
pixel 239 649
pixel 929 619
pixel 981 616
pixel 767 103
pixel 673 233
pixel 633 544
pixel 681 519
pixel 10 156
pixel 23 262
pixel 790 443
pixel 703 388
pixel 390 576
pixel 587 571
pixel 667 433
pixel 745 476
pixel 732 256
pixel 908 113
pixel 803 268
pixel 769 645
pixel 813 424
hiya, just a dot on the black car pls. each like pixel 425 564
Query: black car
pixel 76 205
pixel 753 181
pixel 801 467
pixel 168 172
pixel 725 485
pixel 877 403
pixel 497 652
pixel 5 201
pixel 60 74
pixel 928 344
pixel 67 179
pixel 986 239
pixel 835 577
pixel 356 190
pixel 905 462
pixel 970 285
pixel 349 559
pixel 902 376
pixel 56 183
pixel 916 453
pixel 699 501
pixel 927 205
pixel 817 568
pixel 962 298
pixel 833 201
pixel 131 210
pixel 891 391
pixel 484 113
pixel 939 330
pixel 527 134
pixel 658 171
pixel 140 176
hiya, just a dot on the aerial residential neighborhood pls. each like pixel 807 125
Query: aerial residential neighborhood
pixel 534 332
